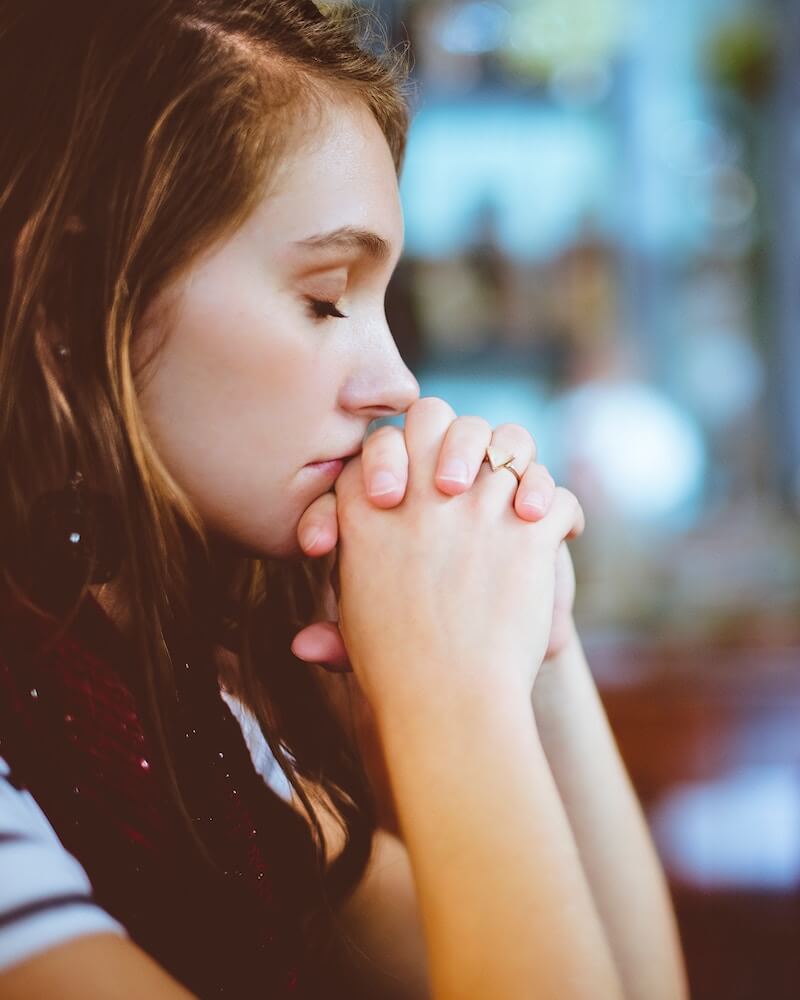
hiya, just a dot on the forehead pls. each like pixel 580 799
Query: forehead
pixel 340 176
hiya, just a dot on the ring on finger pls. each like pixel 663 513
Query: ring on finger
pixel 498 460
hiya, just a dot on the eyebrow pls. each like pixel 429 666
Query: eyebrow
pixel 349 238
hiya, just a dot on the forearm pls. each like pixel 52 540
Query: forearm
pixel 617 853
pixel 505 905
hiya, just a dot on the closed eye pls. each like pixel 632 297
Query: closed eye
pixel 322 309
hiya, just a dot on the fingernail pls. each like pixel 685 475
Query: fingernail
pixel 454 471
pixel 310 537
pixel 382 483
pixel 536 503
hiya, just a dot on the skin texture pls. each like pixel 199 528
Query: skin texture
pixel 463 446
pixel 463 580
pixel 249 383
pixel 249 386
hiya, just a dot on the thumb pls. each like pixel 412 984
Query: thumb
pixel 322 643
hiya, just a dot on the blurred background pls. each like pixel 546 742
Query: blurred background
pixel 602 203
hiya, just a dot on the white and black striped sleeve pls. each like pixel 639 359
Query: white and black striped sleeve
pixel 45 894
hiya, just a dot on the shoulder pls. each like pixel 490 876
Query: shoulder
pixel 45 895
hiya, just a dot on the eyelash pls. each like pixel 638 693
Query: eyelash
pixel 321 309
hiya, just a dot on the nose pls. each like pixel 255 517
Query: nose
pixel 380 384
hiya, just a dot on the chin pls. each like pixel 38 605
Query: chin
pixel 290 549
pixel 286 548
pixel 249 547
pixel 283 544
pixel 271 536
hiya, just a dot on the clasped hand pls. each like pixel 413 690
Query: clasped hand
pixel 435 457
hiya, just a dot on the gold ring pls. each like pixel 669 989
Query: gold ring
pixel 497 461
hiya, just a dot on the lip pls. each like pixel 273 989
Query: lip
pixel 339 458
pixel 332 468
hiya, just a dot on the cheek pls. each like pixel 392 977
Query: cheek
pixel 235 402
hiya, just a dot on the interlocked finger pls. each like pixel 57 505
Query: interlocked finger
pixel 566 515
pixel 467 444
pixel 384 461
pixel 535 493
pixel 511 451
pixel 427 422
pixel 462 452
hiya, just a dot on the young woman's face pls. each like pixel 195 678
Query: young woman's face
pixel 259 377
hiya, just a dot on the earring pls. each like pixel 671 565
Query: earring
pixel 75 535
pixel 75 538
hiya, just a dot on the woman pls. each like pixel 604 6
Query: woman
pixel 199 220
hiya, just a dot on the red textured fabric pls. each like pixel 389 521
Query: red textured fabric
pixel 72 730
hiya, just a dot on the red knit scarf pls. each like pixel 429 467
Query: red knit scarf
pixel 72 732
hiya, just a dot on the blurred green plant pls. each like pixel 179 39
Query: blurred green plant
pixel 550 34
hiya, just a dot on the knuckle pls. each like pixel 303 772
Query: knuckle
pixel 473 424
pixel 565 497
pixel 432 406
pixel 547 479
pixel 570 502
pixel 516 432
pixel 511 429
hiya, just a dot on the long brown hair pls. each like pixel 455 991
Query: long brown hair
pixel 134 134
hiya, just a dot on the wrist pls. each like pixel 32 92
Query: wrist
pixel 561 684
pixel 562 636
pixel 437 721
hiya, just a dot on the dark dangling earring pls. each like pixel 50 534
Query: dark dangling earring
pixel 75 538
